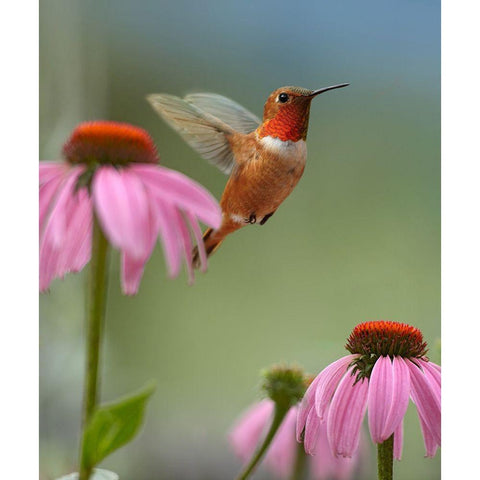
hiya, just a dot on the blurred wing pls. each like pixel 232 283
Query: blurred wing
pixel 204 132
pixel 230 112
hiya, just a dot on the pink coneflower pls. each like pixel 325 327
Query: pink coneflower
pixel 387 366
pixel 281 456
pixel 111 172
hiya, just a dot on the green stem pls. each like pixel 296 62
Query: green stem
pixel 300 463
pixel 97 294
pixel 279 415
pixel 385 459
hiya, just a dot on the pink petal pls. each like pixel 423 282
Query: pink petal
pixel 436 367
pixel 281 455
pixel 312 426
pixel 132 272
pixel 325 466
pixel 346 414
pixel 47 193
pixel 307 403
pixel 122 207
pixel 54 232
pixel 187 244
pixel 51 170
pixel 398 441
pixel 47 266
pixel 247 431
pixel 170 235
pixel 76 248
pixel 388 395
pixel 428 439
pixel 328 381
pixel 427 400
pixel 433 373
pixel 197 233
pixel 132 268
pixel 59 215
pixel 177 189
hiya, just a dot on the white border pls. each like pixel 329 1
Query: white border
pixel 19 237
pixel 460 238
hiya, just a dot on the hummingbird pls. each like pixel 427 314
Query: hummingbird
pixel 264 159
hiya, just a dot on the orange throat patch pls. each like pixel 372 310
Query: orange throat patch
pixel 288 124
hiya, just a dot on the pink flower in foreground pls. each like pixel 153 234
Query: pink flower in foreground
pixel 386 368
pixel 280 459
pixel 111 171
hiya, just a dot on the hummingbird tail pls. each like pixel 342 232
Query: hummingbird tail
pixel 210 242
pixel 212 239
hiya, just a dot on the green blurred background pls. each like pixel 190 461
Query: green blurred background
pixel 359 239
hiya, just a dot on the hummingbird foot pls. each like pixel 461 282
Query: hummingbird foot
pixel 265 218
pixel 252 219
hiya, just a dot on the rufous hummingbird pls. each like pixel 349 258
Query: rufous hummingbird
pixel 265 159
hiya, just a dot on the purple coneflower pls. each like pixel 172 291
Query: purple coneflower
pixel 281 456
pixel 387 366
pixel 111 172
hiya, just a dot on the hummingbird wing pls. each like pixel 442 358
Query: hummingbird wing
pixel 230 112
pixel 204 124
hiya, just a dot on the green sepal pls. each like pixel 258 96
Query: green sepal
pixel 113 425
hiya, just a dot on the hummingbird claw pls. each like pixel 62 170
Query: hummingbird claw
pixel 252 219
pixel 265 218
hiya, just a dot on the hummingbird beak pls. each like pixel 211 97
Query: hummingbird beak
pixel 326 89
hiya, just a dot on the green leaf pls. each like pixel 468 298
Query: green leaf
pixel 97 474
pixel 113 425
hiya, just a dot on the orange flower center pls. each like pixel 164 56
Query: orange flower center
pixel 373 339
pixel 103 142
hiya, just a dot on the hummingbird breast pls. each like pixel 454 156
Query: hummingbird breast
pixel 267 171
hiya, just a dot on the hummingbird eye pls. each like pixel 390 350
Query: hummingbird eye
pixel 283 98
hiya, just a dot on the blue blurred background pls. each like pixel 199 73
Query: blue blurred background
pixel 359 239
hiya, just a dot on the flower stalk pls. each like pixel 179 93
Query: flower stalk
pixel 279 414
pixel 299 468
pixel 97 294
pixel 385 459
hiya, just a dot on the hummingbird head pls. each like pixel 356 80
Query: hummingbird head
pixel 286 112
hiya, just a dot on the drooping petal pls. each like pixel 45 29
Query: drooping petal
pixel 47 264
pixel 83 243
pixel 307 403
pixel 398 441
pixel 424 393
pixel 170 237
pixel 187 244
pixel 435 366
pixel 325 466
pixel 132 268
pixel 380 395
pixel 312 426
pixel 429 441
pixel 247 431
pixel 280 457
pixel 328 381
pixel 388 395
pixel 132 272
pixel 346 413
pixel 181 191
pixel 59 213
pixel 197 233
pixel 50 170
pixel 54 231
pixel 433 373
pixel 122 207
pixel 47 194
pixel 76 247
